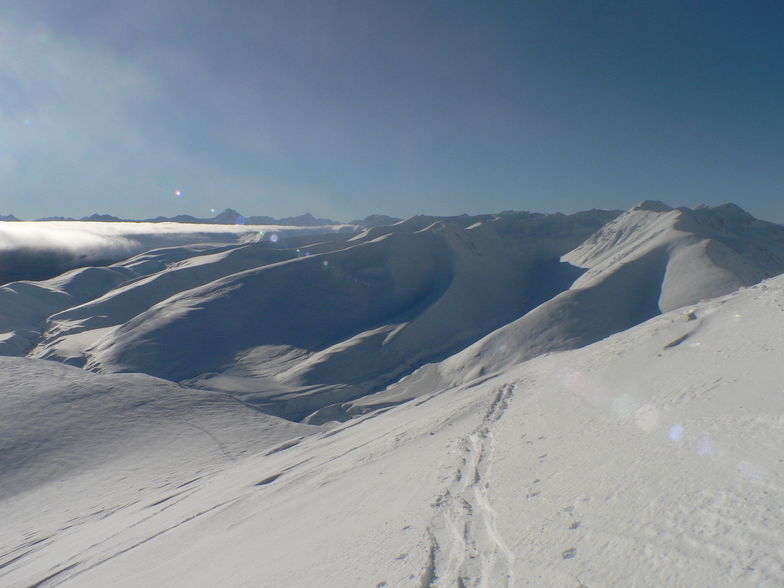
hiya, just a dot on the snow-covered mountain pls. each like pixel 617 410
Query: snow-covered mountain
pixel 650 458
pixel 442 426
pixel 324 326
pixel 649 260
pixel 229 216
pixel 62 421
pixel 294 331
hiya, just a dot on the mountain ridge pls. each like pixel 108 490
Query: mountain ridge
pixel 228 216
pixel 318 331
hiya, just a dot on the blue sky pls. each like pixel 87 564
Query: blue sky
pixel 346 108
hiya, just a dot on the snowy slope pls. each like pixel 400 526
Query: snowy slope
pixel 131 298
pixel 316 327
pixel 651 259
pixel 35 250
pixel 650 458
pixel 25 306
pixel 333 323
pixel 706 252
pixel 77 447
pixel 57 420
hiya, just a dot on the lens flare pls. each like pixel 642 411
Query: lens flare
pixel 571 379
pixel 41 35
pixel 647 418
pixel 705 447
pixel 750 471
pixel 623 405
pixel 676 432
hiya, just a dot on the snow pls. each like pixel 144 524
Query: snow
pixel 39 250
pixel 613 420
pixel 650 458
pixel 649 260
pixel 353 316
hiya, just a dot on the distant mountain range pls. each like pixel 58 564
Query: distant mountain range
pixel 229 217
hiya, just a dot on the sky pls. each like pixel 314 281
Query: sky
pixel 345 108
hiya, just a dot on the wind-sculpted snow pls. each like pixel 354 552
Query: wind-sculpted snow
pixel 651 458
pixel 304 303
pixel 326 323
pixel 74 316
pixel 710 251
pixel 58 421
pixel 25 306
pixel 122 304
pixel 648 260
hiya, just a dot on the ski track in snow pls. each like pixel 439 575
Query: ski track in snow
pixel 466 548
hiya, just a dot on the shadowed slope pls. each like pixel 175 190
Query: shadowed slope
pixel 58 421
pixel 299 335
pixel 306 332
pixel 650 259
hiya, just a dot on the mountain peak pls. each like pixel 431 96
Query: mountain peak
pixel 100 217
pixel 307 220
pixel 229 217
pixel 653 206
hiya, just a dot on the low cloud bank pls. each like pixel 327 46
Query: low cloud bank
pixel 40 250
